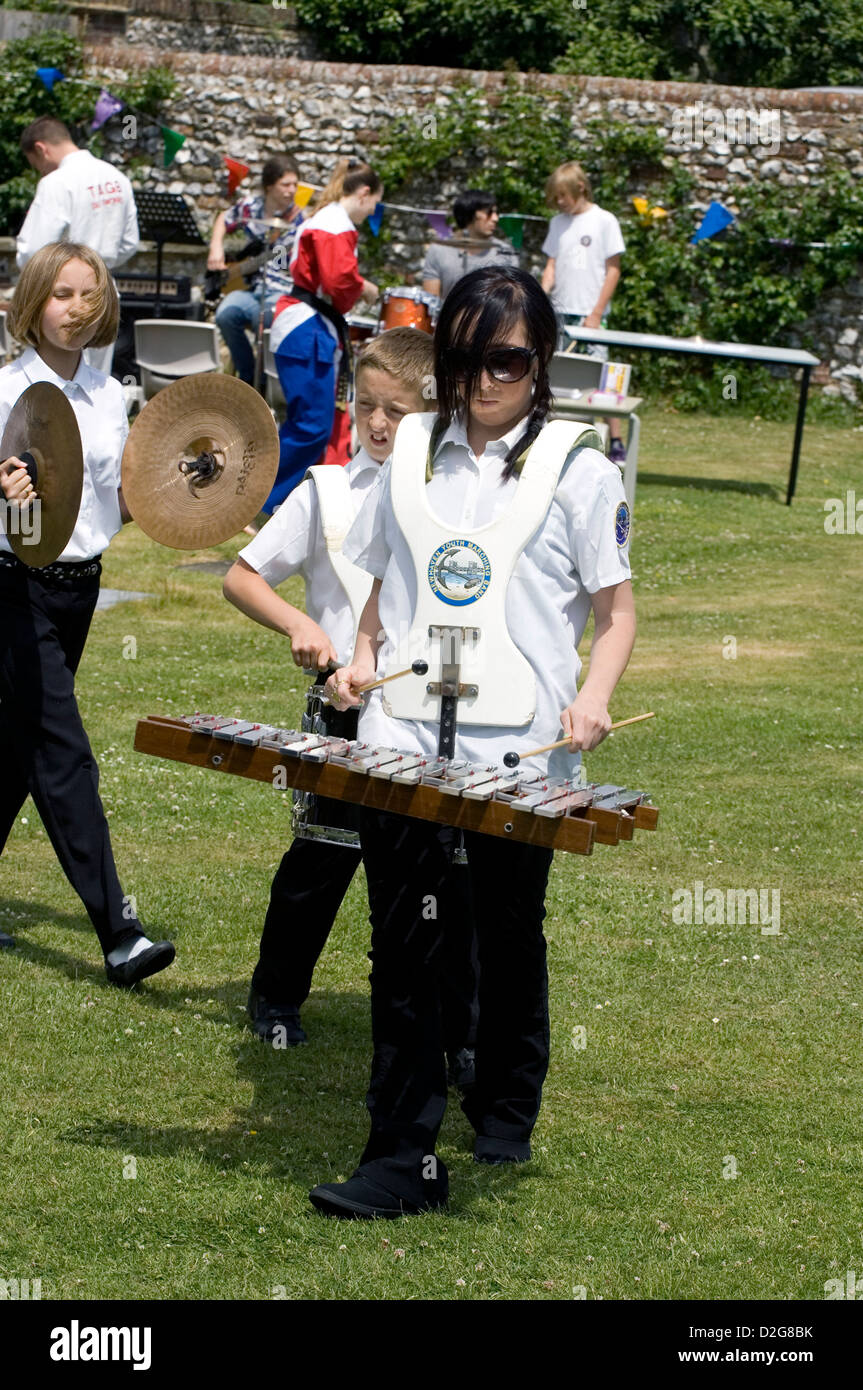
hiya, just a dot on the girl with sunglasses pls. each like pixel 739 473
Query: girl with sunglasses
pixel 480 506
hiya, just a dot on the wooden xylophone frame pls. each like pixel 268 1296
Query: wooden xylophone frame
pixel 574 833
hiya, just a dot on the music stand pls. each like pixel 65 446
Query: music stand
pixel 164 217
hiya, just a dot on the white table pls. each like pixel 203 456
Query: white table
pixel 572 404
pixel 748 352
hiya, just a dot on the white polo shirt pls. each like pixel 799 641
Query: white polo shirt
pixel 292 542
pixel 580 244
pixel 99 408
pixel 573 554
pixel 87 200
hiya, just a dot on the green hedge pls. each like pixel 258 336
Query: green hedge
pixel 784 43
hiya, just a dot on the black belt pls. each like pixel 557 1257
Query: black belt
pixel 61 571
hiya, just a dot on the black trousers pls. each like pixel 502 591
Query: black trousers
pixel 306 894
pixel 44 749
pixel 411 908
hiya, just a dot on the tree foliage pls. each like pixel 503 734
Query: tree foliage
pixel 783 43
pixel 24 97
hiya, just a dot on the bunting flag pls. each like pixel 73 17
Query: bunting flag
pixel 714 220
pixel 48 77
pixel 438 223
pixel 236 173
pixel 106 107
pixel 174 141
pixel 513 227
pixel 303 194
pixel 377 217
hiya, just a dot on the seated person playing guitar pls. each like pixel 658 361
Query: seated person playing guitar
pixel 265 255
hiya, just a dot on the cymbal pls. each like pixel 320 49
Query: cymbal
pixel 200 461
pixel 43 432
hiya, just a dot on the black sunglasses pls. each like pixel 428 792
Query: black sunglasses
pixel 504 364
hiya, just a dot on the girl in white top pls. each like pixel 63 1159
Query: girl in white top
pixel 493 345
pixel 64 300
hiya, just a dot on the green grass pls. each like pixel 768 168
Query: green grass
pixel 704 1043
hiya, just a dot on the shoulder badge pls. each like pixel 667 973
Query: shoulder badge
pixel 622 524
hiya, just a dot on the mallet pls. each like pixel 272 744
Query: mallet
pixel 513 759
pixel 416 668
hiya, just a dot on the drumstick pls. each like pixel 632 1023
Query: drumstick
pixel 417 668
pixel 513 759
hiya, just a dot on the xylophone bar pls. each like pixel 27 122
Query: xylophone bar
pixel 557 815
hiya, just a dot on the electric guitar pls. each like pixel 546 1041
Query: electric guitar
pixel 237 273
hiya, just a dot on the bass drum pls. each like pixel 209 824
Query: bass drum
pixel 316 817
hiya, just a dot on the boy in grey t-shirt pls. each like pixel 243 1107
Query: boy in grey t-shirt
pixel 476 216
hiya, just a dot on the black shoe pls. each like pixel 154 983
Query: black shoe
pixel 275 1023
pixel 156 957
pixel 496 1151
pixel 381 1189
pixel 461 1069
pixel 6 942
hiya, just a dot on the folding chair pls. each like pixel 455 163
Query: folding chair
pixel 167 349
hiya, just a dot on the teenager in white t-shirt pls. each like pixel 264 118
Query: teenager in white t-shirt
pixel 584 245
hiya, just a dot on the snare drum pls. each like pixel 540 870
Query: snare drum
pixel 361 328
pixel 320 817
pixel 407 307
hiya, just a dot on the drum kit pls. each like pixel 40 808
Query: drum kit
pixel 403 306
pixel 199 462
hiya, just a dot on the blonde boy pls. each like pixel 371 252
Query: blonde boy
pixel 312 879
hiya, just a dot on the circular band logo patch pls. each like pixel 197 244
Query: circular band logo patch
pixel 459 572
pixel 622 524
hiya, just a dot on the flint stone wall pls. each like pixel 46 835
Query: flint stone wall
pixel 251 106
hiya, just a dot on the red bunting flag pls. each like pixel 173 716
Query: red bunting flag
pixel 236 173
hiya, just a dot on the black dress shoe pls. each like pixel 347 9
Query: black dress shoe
pixel 381 1190
pixel 461 1069
pixel 156 957
pixel 6 942
pixel 496 1151
pixel 275 1023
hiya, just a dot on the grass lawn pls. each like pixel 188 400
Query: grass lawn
pixel 704 1142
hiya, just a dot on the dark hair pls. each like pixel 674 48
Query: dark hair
pixel 276 166
pixel 48 129
pixel 478 311
pixel 467 205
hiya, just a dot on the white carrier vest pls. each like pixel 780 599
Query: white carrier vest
pixel 462 577
pixel 337 516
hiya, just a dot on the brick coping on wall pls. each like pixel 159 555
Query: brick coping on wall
pixel 387 75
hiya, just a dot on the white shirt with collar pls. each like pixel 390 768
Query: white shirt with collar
pixel 99 408
pixel 573 555
pixel 292 542
pixel 87 200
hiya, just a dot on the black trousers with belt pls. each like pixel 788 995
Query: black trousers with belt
pixel 44 749
pixel 406 866
pixel 307 892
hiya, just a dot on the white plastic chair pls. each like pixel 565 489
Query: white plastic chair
pixel 167 349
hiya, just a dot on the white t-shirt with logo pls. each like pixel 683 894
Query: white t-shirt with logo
pixel 580 244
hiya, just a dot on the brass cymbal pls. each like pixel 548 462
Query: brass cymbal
pixel 200 461
pixel 43 432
